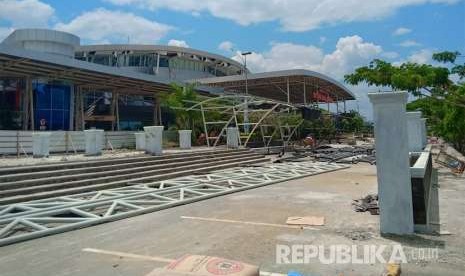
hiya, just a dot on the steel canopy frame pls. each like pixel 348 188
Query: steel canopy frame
pixel 142 198
pixel 233 105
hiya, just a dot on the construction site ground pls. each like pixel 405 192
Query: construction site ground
pixel 166 234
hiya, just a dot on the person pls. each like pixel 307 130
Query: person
pixel 43 124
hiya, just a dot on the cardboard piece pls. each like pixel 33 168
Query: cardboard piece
pixel 316 221
pixel 206 266
pixel 166 272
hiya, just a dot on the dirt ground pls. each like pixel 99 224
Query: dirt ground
pixel 167 234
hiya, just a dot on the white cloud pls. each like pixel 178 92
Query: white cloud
pixel 25 13
pixel 350 52
pixel 293 15
pixel 226 46
pixel 284 56
pixel 115 26
pixel 409 43
pixel 178 43
pixel 423 56
pixel 401 31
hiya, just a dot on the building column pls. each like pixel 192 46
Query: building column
pixel 415 132
pixel 392 162
pixel 424 134
pixel 71 107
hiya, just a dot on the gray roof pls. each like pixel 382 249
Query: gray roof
pixel 274 84
pixel 16 61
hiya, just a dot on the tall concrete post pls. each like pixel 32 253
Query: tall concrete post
pixel 185 139
pixel 392 162
pixel 154 140
pixel 41 144
pixel 140 140
pixel 232 137
pixel 94 141
pixel 424 132
pixel 415 131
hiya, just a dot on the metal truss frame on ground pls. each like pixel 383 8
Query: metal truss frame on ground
pixel 29 220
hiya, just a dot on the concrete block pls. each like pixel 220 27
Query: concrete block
pixel 41 144
pixel 415 131
pixel 154 140
pixel 185 138
pixel 94 141
pixel 140 140
pixel 232 137
pixel 392 162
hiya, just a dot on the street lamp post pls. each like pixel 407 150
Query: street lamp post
pixel 246 107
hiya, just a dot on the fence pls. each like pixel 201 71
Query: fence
pixel 20 142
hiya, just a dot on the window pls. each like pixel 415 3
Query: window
pixel 51 105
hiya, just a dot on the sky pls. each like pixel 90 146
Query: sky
pixel 328 36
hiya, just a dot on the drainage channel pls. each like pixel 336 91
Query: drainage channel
pixel 35 219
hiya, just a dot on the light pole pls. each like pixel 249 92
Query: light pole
pixel 246 107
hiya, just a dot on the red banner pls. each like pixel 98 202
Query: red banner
pixel 322 97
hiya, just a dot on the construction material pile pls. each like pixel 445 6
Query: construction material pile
pixel 338 154
pixel 368 203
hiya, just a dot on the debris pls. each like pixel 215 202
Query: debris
pixel 392 270
pixel 457 166
pixel 306 221
pixel 205 266
pixel 358 235
pixel 368 203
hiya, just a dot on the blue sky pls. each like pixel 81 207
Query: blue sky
pixel 329 36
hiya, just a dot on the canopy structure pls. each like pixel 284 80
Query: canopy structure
pixel 298 87
pixel 22 63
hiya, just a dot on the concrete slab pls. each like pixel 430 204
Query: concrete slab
pixel 165 234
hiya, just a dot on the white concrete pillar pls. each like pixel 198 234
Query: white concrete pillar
pixel 232 137
pixel 140 140
pixel 415 133
pixel 392 162
pixel 94 141
pixel 154 140
pixel 424 132
pixel 41 144
pixel 185 138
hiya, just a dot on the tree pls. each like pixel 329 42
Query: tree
pixel 441 100
pixel 351 121
pixel 177 100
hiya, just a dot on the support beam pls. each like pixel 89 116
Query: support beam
pixel 288 92
pixel 305 93
pixel 392 162
pixel 31 102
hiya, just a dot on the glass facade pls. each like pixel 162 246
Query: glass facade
pixel 51 106
pixel 10 103
pixel 149 60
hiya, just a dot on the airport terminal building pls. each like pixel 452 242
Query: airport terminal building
pixel 48 81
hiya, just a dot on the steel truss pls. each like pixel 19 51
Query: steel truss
pixel 245 113
pixel 29 220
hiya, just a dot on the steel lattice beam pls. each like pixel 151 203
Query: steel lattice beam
pixel 24 221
